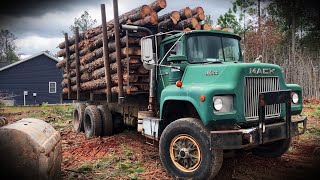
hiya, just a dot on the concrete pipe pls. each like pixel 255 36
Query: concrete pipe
pixel 30 149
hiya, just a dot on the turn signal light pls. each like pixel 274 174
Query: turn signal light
pixel 179 84
pixel 202 98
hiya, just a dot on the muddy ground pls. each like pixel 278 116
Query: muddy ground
pixel 127 155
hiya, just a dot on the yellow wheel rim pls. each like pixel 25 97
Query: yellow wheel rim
pixel 185 153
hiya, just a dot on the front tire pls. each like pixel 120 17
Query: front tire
pixel 273 149
pixel 185 150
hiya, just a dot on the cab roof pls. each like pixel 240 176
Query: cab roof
pixel 217 32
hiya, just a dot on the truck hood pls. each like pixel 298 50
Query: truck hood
pixel 228 72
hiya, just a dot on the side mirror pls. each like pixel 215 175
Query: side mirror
pixel 147 53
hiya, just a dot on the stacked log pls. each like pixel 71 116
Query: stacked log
pixel 92 70
pixel 135 76
pixel 186 19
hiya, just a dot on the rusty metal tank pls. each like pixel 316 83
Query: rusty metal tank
pixel 30 149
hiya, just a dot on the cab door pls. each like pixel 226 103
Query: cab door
pixel 163 72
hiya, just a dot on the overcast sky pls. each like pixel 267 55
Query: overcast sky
pixel 38 24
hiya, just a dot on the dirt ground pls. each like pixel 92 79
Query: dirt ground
pixel 127 155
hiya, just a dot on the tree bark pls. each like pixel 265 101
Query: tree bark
pixel 158 5
pixel 167 24
pixel 134 63
pixel 197 10
pixel 173 14
pixel 191 23
pixel 199 17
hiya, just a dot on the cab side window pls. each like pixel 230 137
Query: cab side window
pixel 165 50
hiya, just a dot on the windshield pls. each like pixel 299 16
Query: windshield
pixel 201 49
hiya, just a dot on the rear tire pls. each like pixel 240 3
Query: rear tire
pixel 185 150
pixel 78 116
pixel 273 149
pixel 92 121
pixel 106 117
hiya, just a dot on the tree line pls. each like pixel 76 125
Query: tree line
pixel 7 46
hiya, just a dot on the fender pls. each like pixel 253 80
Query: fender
pixel 296 109
pixel 191 93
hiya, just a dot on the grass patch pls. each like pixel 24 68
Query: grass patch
pixel 85 168
pixel 116 166
pixel 313 131
pixel 58 116
pixel 317 113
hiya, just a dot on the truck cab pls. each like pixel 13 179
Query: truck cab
pixel 210 100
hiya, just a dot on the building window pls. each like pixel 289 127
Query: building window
pixel 52 87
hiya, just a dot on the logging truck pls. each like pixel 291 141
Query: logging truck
pixel 198 99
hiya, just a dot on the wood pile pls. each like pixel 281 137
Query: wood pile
pixel 186 19
pixel 135 76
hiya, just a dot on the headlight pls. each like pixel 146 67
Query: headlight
pixel 217 103
pixel 295 98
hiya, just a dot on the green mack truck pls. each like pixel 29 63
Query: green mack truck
pixel 204 100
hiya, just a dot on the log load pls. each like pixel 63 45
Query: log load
pixel 184 19
pixel 135 76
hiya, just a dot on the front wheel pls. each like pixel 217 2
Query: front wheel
pixel 185 150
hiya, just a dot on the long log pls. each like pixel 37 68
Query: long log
pixel 148 20
pixel 188 23
pixel 100 74
pixel 197 10
pixel 167 24
pixel 134 39
pixel 112 46
pixel 158 5
pixel 143 11
pixel 199 17
pixel 98 63
pixel 101 83
pixel 114 90
pixel 173 14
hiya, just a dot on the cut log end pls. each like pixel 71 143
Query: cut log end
pixel 197 27
pixel 146 10
pixel 175 15
pixel 174 21
pixel 154 14
pixel 162 3
pixel 158 5
pixel 187 12
pixel 198 10
pixel 195 23
pixel 207 27
pixel 200 17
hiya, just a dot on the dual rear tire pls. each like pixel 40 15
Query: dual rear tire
pixel 93 120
